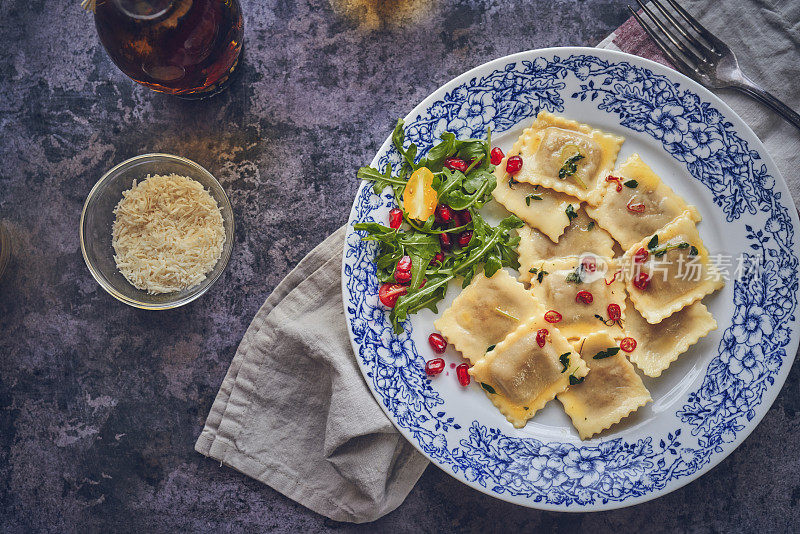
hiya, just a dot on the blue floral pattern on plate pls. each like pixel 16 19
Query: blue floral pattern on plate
pixel 753 348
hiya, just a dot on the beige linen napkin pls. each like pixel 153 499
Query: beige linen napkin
pixel 294 411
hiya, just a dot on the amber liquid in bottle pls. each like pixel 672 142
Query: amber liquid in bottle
pixel 187 48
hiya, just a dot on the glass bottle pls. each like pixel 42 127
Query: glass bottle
pixel 187 48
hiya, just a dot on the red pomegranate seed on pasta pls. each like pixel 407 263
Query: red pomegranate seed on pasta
pixel 514 164
pixel 584 296
pixel 614 312
pixel 628 344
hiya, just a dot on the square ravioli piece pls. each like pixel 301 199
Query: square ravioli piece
pixel 581 236
pixel 520 376
pixel 658 345
pixel 638 204
pixel 486 312
pixel 567 156
pixel 544 209
pixel 610 392
pixel 669 270
pixel 576 296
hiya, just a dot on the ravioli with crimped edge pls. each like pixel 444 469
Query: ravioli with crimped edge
pixel 567 156
pixel 527 369
pixel 485 313
pixel 610 392
pixel 636 203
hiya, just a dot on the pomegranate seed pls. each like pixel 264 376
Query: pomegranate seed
pixel 584 296
pixel 443 214
pixel 589 265
pixel 402 277
pixel 541 337
pixel 445 241
pixel 389 293
pixel 463 375
pixel 395 218
pixel 552 316
pixel 434 367
pixel 404 263
pixel 437 343
pixel 610 178
pixel 496 156
pixel 641 281
pixel 614 312
pixel 464 238
pixel 439 258
pixel 455 164
pixel 514 165
pixel 641 256
pixel 628 344
pixel 635 208
pixel 463 217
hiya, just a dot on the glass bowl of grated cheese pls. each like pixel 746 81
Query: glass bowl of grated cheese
pixel 156 231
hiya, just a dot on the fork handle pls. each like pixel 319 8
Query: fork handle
pixel 748 86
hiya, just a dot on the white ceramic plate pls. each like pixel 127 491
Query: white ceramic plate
pixel 709 400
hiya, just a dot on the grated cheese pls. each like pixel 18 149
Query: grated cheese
pixel 167 234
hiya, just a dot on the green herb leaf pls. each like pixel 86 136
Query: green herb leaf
pixel 590 226
pixel 575 276
pixel 570 211
pixel 570 167
pixel 541 276
pixel 574 380
pixel 490 348
pixel 653 243
pixel 633 184
pixel 533 270
pixel 531 197
pixel 693 251
pixel 564 360
pixel 488 388
pixel 611 351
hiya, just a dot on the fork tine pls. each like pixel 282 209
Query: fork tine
pixel 704 51
pixel 716 45
pixel 674 58
pixel 685 50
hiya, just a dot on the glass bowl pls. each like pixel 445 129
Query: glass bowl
pixel 97 220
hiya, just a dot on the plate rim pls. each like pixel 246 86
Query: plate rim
pixel 781 186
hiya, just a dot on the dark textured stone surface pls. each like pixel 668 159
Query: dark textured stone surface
pixel 100 404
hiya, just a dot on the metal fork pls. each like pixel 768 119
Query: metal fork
pixel 700 55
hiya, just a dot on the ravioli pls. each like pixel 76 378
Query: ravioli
pixel 658 345
pixel 661 285
pixel 581 236
pixel 541 208
pixel 561 291
pixel 640 208
pixel 520 377
pixel 610 392
pixel 567 156
pixel 485 312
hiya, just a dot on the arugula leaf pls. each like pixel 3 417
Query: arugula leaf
pixel 653 243
pixel 633 184
pixel 564 360
pixel 490 248
pixel 570 211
